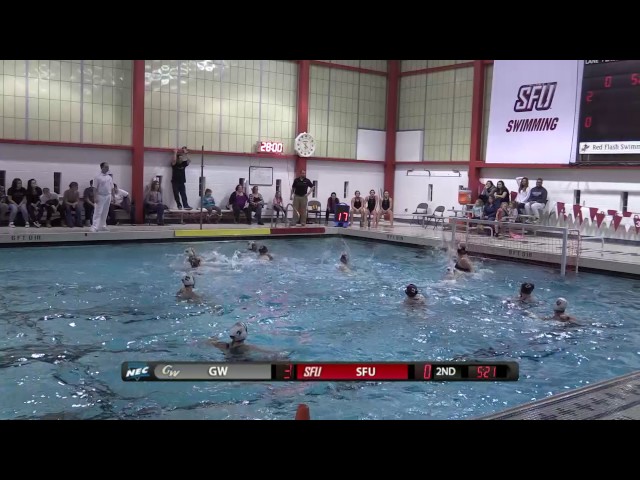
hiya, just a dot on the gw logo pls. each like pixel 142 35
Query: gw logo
pixel 538 96
pixel 137 371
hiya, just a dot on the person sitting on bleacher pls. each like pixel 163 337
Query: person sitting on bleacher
pixel 4 207
pixel 537 200
pixel 239 202
pixel 490 209
pixel 119 201
pixel 16 197
pixel 332 201
pixel 153 202
pixel 501 194
pixel 277 204
pixel 49 202
pixel 208 203
pixel 477 210
pixel 256 202
pixel 523 193
pixel 71 203
pixel 33 200
pixel 505 214
pixel 89 199
pixel 358 207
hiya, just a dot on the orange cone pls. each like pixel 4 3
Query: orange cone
pixel 303 412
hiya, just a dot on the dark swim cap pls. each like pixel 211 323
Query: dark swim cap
pixel 263 249
pixel 527 288
pixel 411 290
pixel 343 258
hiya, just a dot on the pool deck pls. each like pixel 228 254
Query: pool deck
pixel 615 399
pixel 598 255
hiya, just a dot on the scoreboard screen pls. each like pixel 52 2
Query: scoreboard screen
pixel 319 371
pixel 609 130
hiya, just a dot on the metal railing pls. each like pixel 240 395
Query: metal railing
pixel 526 241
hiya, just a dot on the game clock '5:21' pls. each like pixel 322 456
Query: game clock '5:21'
pixel 270 147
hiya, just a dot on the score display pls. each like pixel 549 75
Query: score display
pixel 610 109
pixel 269 147
pixel 320 371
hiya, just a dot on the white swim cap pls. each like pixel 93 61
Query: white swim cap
pixel 190 251
pixel 239 332
pixel 189 281
pixel 560 305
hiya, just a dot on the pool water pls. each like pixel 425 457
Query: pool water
pixel 69 316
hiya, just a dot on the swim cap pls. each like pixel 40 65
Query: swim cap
pixel 251 245
pixel 239 332
pixel 190 251
pixel 411 290
pixel 263 249
pixel 527 288
pixel 344 258
pixel 189 281
pixel 560 305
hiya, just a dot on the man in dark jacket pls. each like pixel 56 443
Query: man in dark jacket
pixel 178 164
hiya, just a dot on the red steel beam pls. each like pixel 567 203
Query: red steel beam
pixel 393 81
pixel 477 109
pixel 438 69
pixel 320 63
pixel 137 139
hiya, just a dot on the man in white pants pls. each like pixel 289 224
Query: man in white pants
pixel 103 185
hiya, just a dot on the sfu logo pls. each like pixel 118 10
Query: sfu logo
pixel 537 96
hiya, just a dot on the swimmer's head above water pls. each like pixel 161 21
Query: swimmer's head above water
pixel 560 305
pixel 462 249
pixel 344 259
pixel 253 246
pixel 411 290
pixel 527 288
pixel 239 332
pixel 263 250
pixel 190 252
pixel 189 281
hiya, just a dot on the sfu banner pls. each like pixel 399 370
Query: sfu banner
pixel 534 111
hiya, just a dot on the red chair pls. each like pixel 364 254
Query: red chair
pixel 513 196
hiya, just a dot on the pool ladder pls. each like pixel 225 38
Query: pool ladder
pixel 274 220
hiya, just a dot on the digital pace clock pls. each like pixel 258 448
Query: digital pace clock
pixel 270 147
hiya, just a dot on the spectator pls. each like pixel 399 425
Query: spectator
pixel 332 202
pixel 119 201
pixel 537 200
pixel 277 205
pixel 49 202
pixel 4 205
pixel 71 203
pixel 256 203
pixel 89 197
pixel 103 184
pixel 386 207
pixel 33 199
pixel 488 190
pixel 478 210
pixel 358 206
pixel 180 161
pixel 153 202
pixel 17 197
pixel 523 193
pixel 501 194
pixel 209 203
pixel 239 202
pixel 490 209
pixel 300 195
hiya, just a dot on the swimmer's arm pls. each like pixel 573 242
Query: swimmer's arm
pixel 218 344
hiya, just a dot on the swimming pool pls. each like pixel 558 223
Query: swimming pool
pixel 69 316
